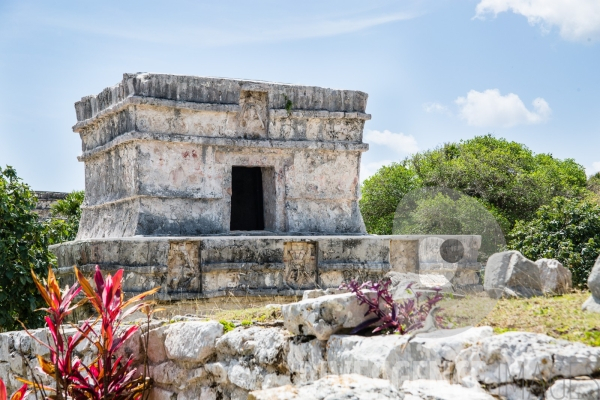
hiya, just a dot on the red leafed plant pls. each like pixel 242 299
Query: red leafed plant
pixel 390 316
pixel 109 375
pixel 18 395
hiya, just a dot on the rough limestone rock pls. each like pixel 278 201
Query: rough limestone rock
pixel 515 356
pixel 510 274
pixel 556 279
pixel 432 355
pixel 427 356
pixel 192 341
pixel 567 389
pixel 418 282
pixel 441 390
pixel 351 354
pixel 333 387
pixel 306 360
pixel 265 345
pixel 323 316
pixel 515 392
pixel 593 303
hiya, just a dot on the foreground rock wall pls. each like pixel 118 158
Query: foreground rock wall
pixel 195 359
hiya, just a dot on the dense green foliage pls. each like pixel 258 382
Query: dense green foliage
pixel 448 212
pixel 381 194
pixel 23 247
pixel 506 177
pixel 567 230
pixel 65 215
pixel 593 185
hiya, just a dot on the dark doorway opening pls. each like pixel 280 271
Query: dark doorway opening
pixel 247 210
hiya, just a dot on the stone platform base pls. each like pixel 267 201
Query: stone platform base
pixel 215 266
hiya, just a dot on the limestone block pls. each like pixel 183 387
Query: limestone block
pixel 168 373
pixel 156 344
pixel 513 391
pixel 361 355
pixel 431 355
pixel 323 316
pixel 275 380
pixel 510 274
pixel 563 389
pixel 441 390
pixel 266 345
pixel 593 303
pixel 306 360
pixel 217 371
pixel 556 279
pixel 192 341
pixel 161 394
pixel 333 387
pixel 248 378
pixel 513 356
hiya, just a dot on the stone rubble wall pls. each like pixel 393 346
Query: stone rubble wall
pixel 208 267
pixel 195 359
pixel 45 200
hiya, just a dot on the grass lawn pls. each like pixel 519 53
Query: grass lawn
pixel 559 317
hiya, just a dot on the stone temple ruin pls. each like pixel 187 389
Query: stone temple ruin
pixel 210 186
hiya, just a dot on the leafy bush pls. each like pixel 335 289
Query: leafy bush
pixel 65 216
pixel 381 194
pixel 506 177
pixel 108 375
pixel 433 211
pixel 390 316
pixel 567 230
pixel 23 247
pixel 593 185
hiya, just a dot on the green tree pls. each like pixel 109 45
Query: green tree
pixel 593 185
pixel 434 211
pixel 65 215
pixel 23 247
pixel 381 194
pixel 567 230
pixel 507 177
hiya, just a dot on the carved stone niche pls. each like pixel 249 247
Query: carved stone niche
pixel 183 266
pixel 253 114
pixel 300 261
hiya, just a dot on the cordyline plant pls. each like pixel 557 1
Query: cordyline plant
pixel 109 375
pixel 18 395
pixel 388 315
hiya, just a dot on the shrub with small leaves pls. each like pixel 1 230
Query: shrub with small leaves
pixel 23 247
pixel 567 230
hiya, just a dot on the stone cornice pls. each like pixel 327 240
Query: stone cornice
pixel 224 142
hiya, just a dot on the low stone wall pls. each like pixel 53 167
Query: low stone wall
pixel 45 200
pixel 195 359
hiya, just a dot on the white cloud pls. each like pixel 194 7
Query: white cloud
pixel 595 167
pixel 398 142
pixel 368 169
pixel 435 107
pixel 491 109
pixel 575 19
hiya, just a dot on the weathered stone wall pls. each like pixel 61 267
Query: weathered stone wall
pixel 45 200
pixel 195 359
pixel 159 149
pixel 212 266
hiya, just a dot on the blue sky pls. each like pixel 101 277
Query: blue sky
pixel 435 70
